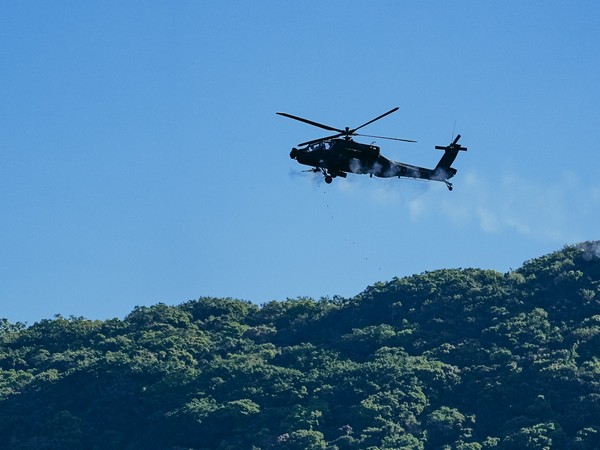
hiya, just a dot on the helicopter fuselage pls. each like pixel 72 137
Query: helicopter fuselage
pixel 338 155
pixel 341 156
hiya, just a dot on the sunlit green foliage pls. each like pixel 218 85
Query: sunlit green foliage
pixel 453 359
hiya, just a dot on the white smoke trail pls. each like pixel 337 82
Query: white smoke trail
pixel 563 210
pixel 591 250
pixel 356 166
pixel 556 211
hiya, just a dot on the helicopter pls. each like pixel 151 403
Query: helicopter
pixel 338 154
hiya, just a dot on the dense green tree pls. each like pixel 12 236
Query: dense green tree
pixel 452 359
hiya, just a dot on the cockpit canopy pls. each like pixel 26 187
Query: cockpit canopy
pixel 323 145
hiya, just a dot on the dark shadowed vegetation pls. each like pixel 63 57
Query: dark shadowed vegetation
pixel 456 359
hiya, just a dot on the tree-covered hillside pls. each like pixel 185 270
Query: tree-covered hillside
pixel 461 359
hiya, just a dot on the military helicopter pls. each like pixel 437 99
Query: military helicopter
pixel 338 154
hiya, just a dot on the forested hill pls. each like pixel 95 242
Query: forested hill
pixel 456 359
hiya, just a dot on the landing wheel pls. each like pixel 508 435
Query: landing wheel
pixel 328 179
pixel 448 185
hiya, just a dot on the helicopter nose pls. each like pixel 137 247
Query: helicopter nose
pixel 294 153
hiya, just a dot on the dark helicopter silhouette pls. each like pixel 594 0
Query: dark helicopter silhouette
pixel 338 155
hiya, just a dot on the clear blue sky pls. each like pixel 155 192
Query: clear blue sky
pixel 141 160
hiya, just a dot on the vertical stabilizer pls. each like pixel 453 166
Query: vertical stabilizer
pixel 450 153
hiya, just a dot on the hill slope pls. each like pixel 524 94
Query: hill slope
pixel 466 359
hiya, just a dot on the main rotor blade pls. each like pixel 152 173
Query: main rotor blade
pixel 314 141
pixel 384 137
pixel 376 118
pixel 310 122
